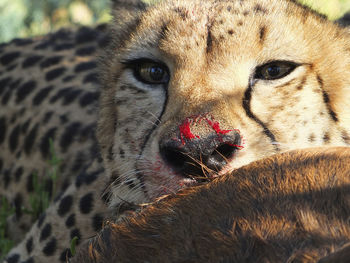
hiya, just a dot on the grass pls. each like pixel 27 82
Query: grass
pixel 39 200
pixel 6 210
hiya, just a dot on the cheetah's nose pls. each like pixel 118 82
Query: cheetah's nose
pixel 193 157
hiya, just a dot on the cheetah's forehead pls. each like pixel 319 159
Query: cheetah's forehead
pixel 185 30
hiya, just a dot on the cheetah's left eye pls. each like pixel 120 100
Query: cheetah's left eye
pixel 148 71
pixel 274 70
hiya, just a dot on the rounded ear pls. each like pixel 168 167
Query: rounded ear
pixel 344 20
pixel 122 9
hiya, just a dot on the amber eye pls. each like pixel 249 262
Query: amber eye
pixel 152 73
pixel 274 70
pixel 148 71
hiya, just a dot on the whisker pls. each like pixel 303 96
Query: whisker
pixel 152 114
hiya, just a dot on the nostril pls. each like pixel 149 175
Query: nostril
pixel 225 150
pixel 220 156
pixel 173 157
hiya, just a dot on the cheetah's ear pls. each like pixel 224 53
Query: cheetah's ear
pixel 125 9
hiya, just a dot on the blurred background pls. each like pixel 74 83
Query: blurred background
pixel 23 18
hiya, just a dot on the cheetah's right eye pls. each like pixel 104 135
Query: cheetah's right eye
pixel 274 70
pixel 148 71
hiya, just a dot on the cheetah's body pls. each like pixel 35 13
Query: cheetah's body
pixel 185 80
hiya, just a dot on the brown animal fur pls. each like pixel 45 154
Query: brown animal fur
pixel 291 207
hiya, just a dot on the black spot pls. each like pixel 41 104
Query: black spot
pixel 4 83
pixel 2 129
pixel 65 184
pixel 78 162
pixel 70 221
pixel 45 232
pixel 29 260
pixel 25 126
pixel 63 46
pixel 18 201
pixel 326 138
pixel 60 94
pixel 15 84
pixel 87 178
pixel 21 41
pixel 7 177
pixel 54 73
pixel 65 255
pixel 29 185
pixel 31 61
pixel 97 222
pixel 104 41
pixel 41 95
pixel 18 173
pixel 312 137
pixel 122 153
pixel 69 135
pixel 13 258
pixel 10 68
pixel 43 45
pixel 47 117
pixel 25 90
pixel 88 98
pixel 110 153
pixel 85 34
pixel 182 12
pixel 50 247
pixel 6 97
pixel 30 139
pixel 75 233
pixel 9 57
pixel 85 51
pixel 86 203
pixel 345 136
pixel 83 66
pixel 91 78
pixel 51 61
pixel 63 118
pixel 29 245
pixel 68 78
pixel 45 142
pixel 259 9
pixel 14 136
pixel 41 219
pixel 262 34
pixel 70 96
pixel 65 205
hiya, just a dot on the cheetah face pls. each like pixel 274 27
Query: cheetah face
pixel 196 89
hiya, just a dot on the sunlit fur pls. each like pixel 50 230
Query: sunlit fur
pixel 291 207
pixel 212 49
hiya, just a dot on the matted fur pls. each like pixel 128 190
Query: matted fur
pixel 291 207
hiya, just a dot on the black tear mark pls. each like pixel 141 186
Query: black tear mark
pixel 327 100
pixel 246 106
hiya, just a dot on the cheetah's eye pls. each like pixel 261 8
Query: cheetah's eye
pixel 148 71
pixel 274 70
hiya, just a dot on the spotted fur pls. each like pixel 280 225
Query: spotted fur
pixel 214 112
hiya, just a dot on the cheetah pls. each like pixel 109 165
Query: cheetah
pixel 188 91
pixel 291 207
